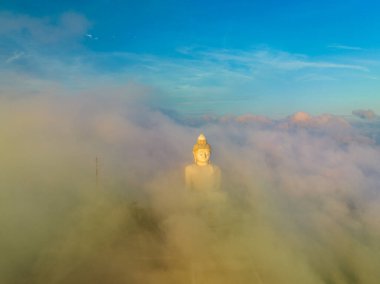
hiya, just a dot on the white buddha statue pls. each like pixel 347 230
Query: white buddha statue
pixel 202 176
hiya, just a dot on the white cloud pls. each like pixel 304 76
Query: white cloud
pixel 15 56
pixel 90 36
pixel 28 31
pixel 345 47
pixel 278 60
pixel 364 114
pixel 218 77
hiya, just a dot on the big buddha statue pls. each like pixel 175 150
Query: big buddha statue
pixel 202 176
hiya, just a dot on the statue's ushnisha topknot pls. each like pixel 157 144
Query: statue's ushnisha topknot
pixel 201 143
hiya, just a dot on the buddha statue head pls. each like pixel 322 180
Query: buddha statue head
pixel 202 151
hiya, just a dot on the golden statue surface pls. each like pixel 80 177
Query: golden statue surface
pixel 202 176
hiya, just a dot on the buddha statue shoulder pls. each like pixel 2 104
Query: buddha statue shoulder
pixel 202 176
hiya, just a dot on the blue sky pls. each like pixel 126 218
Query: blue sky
pixel 200 57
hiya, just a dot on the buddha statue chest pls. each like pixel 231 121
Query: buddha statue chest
pixel 202 178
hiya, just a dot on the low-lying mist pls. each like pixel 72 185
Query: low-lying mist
pixel 302 197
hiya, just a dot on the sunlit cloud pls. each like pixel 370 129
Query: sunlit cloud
pixel 303 187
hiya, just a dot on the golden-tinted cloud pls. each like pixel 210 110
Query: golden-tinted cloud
pixel 301 202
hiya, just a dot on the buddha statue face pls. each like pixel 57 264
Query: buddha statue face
pixel 202 157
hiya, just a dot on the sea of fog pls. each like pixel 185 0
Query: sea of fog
pixel 92 191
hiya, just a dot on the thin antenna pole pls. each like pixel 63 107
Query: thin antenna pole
pixel 97 171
